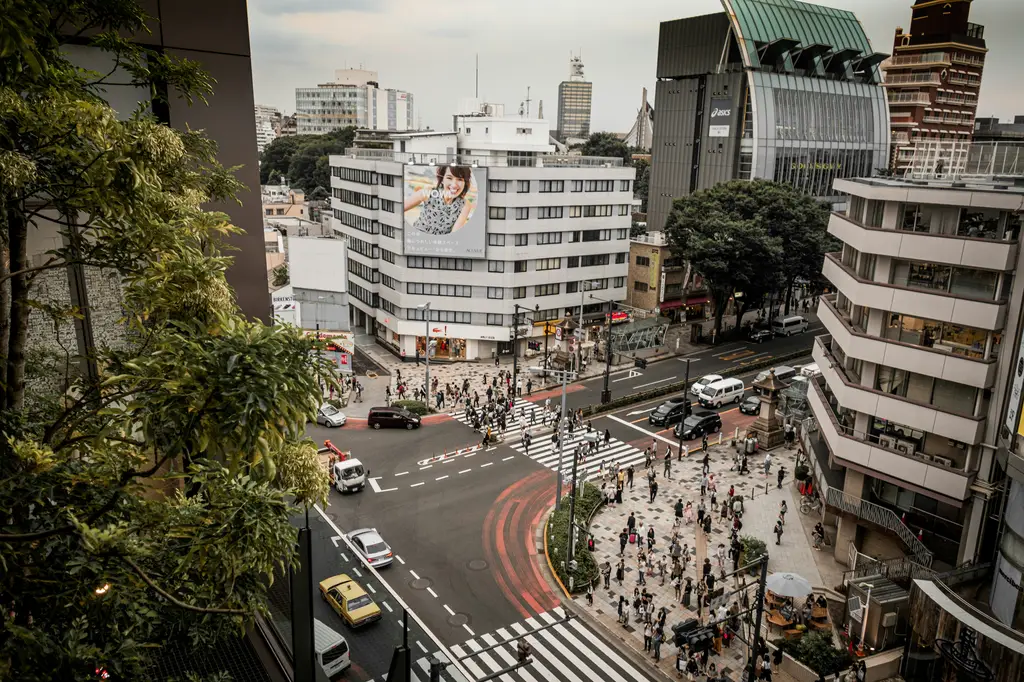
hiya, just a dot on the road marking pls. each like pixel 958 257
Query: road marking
pixel 505 459
pixel 633 374
pixel 416 577
pixel 471 633
pixel 360 575
pixel 431 466
pixel 449 461
pixel 376 486
pixel 375 591
pixel 338 537
pixel 402 473
pixel 434 594
pixel 659 381
pixel 420 644
pixel 388 607
pixel 725 351
pixel 448 609
pixel 487 465
pixel 441 478
pixel 737 355
pixel 494 448
pixel 416 485
pixel 465 471
pixel 400 560
pixel 636 412
pixel 689 359
pixel 759 357
pixel 474 455
pixel 344 557
pixel 643 431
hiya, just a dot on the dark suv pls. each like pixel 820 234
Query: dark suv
pixel 669 412
pixel 393 417
pixel 698 424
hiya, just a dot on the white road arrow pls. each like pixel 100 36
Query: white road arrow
pixel 376 486
pixel 335 540
pixel 633 374
pixel 631 414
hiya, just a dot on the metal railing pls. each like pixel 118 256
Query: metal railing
pixel 913 79
pixel 899 569
pixel 909 98
pixel 880 516
pixel 928 59
pixel 538 161
pixel 953 161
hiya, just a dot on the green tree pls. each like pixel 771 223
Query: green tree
pixel 280 275
pixel 607 144
pixel 145 504
pixel 277 157
pixel 724 233
pixel 642 183
pixel 310 164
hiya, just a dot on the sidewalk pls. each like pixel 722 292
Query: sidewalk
pixel 760 513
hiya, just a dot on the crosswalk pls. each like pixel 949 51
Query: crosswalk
pixel 567 650
pixel 533 414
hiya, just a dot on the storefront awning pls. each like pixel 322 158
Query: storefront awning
pixel 697 300
pixel 670 305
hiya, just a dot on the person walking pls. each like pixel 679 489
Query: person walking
pixel 782 475
pixel 629 476
pixel 623 541
pixel 606 573
pixel 648 636
pixel 631 522
pixel 654 490
pixel 650 538
pixel 590 594
pixel 668 464
pixel 782 512
pixel 778 532
pixel 704 443
pixel 607 438
pixel 767 463
pixel 657 644
pixel 703 485
pixel 679 513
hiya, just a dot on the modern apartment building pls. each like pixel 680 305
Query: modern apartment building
pixel 354 98
pixel 524 227
pixel 268 121
pixel 575 97
pixel 933 78
pixel 917 362
pixel 775 89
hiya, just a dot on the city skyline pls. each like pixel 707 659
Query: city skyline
pixel 300 43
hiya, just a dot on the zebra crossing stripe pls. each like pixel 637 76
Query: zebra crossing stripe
pixel 545 453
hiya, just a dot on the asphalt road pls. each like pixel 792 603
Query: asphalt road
pixel 463 526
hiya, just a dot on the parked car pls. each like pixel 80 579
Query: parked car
pixel 669 412
pixel 698 424
pixel 705 381
pixel 759 334
pixel 371 545
pixel 782 373
pixel 349 600
pixel 330 416
pixel 751 405
pixel 396 417
pixel 722 392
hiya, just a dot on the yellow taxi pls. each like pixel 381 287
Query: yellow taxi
pixel 350 600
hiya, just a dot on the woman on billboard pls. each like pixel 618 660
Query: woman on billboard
pixel 446 204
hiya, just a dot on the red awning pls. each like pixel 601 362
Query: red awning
pixel 697 300
pixel 669 305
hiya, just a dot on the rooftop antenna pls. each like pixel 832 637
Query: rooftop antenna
pixel 477 91
pixel 528 100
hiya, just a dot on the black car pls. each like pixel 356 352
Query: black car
pixel 759 334
pixel 669 412
pixel 750 405
pixel 698 424
pixel 395 417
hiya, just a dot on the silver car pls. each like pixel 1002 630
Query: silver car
pixel 330 416
pixel 371 545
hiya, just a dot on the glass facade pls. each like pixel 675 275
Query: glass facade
pixel 574 102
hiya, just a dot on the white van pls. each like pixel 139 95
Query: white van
pixel 782 373
pixel 350 475
pixel 785 326
pixel 331 649
pixel 721 392
pixel 810 371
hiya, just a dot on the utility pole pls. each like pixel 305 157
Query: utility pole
pixel 753 654
pixel 606 393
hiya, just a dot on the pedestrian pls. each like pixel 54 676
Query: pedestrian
pixel 631 522
pixel 650 538
pixel 519 388
pixel 782 512
pixel 620 571
pixel 707 524
pixel 714 500
pixel 703 485
pixel 679 513
pixel 654 490
pixel 497 361
pixel 668 464
pixel 623 541
pixel 777 659
pixel 778 532
pixel 622 607
pixel 648 636
pixel 487 437
pixel 657 644
pixel 700 514
pixel 629 476
pixel 782 475
pixel 529 386
pixel 704 444
pixel 767 463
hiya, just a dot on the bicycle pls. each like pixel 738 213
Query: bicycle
pixel 809 503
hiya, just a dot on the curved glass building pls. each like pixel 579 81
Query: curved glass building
pixel 774 89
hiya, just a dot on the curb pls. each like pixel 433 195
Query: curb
pixel 547 557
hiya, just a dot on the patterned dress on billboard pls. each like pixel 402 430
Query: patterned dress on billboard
pixel 438 217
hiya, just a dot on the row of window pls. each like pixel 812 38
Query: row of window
pixel 432 263
pixel 389 282
pixel 364 177
pixel 362 271
pixel 450 316
pixel 359 222
pixel 523 186
pixel 367 297
pixel 498 239
pixel 498 293
pixel 365 248
pixel 425 289
pixel 349 196
pixel 549 212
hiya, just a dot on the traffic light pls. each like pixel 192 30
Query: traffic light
pixel 512 334
pixel 681 630
pixel 640 362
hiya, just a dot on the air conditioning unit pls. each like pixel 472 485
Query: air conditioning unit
pixel 887 442
pixel 923 457
pixel 889 620
pixel 944 461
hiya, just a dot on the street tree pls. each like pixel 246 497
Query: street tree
pixel 607 144
pixel 723 233
pixel 145 486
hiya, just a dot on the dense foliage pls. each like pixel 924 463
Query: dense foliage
pixel 751 237
pixel 558 539
pixel 145 485
pixel 303 160
pixel 817 652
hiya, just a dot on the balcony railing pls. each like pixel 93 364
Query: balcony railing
pixel 954 161
pixel 912 79
pixel 538 161
pixel 880 516
pixel 909 98
pixel 968 59
pixel 911 60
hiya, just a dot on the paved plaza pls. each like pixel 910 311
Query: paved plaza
pixel 761 510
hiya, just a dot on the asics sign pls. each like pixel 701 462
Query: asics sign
pixel 721 113
pixel 720 118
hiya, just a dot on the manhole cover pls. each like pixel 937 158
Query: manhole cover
pixel 477 565
pixel 458 620
pixel 420 583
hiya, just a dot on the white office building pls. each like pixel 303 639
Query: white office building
pixel 267 118
pixel 917 361
pixel 545 232
pixel 354 98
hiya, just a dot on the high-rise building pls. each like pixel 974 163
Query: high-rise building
pixel 933 78
pixel 775 89
pixel 354 98
pixel 991 130
pixel 919 364
pixel 268 121
pixel 473 223
pixel 574 102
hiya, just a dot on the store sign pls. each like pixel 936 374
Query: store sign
pixel 558 333
pixel 1013 407
pixel 721 118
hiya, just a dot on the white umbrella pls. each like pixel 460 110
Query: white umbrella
pixel 788 585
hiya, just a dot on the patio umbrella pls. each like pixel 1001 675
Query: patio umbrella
pixel 788 585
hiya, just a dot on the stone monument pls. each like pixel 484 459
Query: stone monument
pixel 768 427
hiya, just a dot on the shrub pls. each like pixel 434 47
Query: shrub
pixel 558 539
pixel 753 548
pixel 817 652
pixel 801 472
pixel 414 406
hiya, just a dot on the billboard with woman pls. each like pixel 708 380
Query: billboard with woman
pixel 445 211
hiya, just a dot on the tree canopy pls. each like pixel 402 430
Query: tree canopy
pixel 304 159
pixel 753 237
pixel 145 487
pixel 607 144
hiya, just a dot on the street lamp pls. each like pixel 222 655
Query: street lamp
pixel 565 374
pixel 426 349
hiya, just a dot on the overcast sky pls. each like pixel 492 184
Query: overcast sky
pixel 428 49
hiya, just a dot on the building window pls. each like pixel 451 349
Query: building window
pixel 623 209
pixel 387 180
pixel 599 186
pixel 623 185
pixel 619 282
pixel 572 262
pixel 389 256
pixel 552 186
pixel 425 289
pixel 494 319
pixel 496 212
pixel 522 239
pixel 497 185
pixel 966 282
pixel 389 282
pixel 431 263
pixel 640 286
pixel 572 287
pixel 389 206
pixel 596 235
pixel 549 263
pixel 577 185
pixel 450 316
pixel 620 258
pixel 495 292
pixel 494 239
pixel 522 213
pixel 544 238
pixel 364 177
pixel 268 211
pixel 524 131
pixel 348 196
pixel 546 289
pixel 519 292
pixel 622 233
pixel 544 212
pixel 575 211
pixel 519 266
pixel 595 259
pixel 522 186
pixel 387 230
pixel 495 266
pixel 367 225
pixel 602 211
pixel 643 261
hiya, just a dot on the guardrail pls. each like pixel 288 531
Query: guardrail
pixel 880 516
